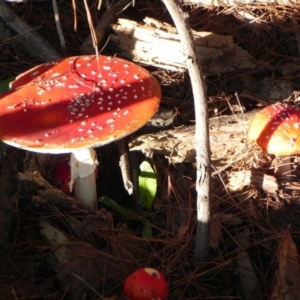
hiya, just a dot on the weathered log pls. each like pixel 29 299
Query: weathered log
pixel 228 143
pixel 228 139
pixel 157 44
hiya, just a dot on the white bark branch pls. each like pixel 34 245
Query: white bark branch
pixel 201 130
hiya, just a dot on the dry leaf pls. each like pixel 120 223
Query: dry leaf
pixel 287 279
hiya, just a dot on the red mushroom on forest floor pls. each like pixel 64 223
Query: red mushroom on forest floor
pixel 276 129
pixel 75 104
pixel 146 284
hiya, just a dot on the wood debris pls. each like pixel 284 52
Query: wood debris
pixel 157 44
pixel 227 140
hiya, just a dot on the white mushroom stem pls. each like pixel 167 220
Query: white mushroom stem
pixel 83 164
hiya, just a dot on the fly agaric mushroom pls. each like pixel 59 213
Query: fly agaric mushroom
pixel 276 129
pixel 146 284
pixel 75 104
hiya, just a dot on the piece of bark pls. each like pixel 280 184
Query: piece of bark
pixel 157 44
pixel 286 283
pixel 32 41
pixel 241 179
pixel 125 166
pixel 47 194
pixel 228 135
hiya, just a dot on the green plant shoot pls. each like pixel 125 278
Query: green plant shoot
pixel 121 210
pixel 147 185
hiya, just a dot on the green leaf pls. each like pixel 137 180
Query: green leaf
pixel 121 210
pixel 147 185
pixel 147 226
pixel 4 84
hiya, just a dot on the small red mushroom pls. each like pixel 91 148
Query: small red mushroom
pixel 146 284
pixel 75 104
pixel 276 129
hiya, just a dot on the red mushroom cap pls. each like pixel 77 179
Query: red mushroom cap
pixel 77 102
pixel 276 129
pixel 146 284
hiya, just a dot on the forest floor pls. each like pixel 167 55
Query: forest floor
pixel 254 230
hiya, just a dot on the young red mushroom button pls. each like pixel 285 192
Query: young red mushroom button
pixel 75 104
pixel 276 129
pixel 146 284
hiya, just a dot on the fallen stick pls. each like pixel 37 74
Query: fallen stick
pixel 201 138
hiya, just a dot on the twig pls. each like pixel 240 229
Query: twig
pixel 58 26
pixel 125 166
pixel 93 34
pixel 33 42
pixel 201 130
pixel 90 44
